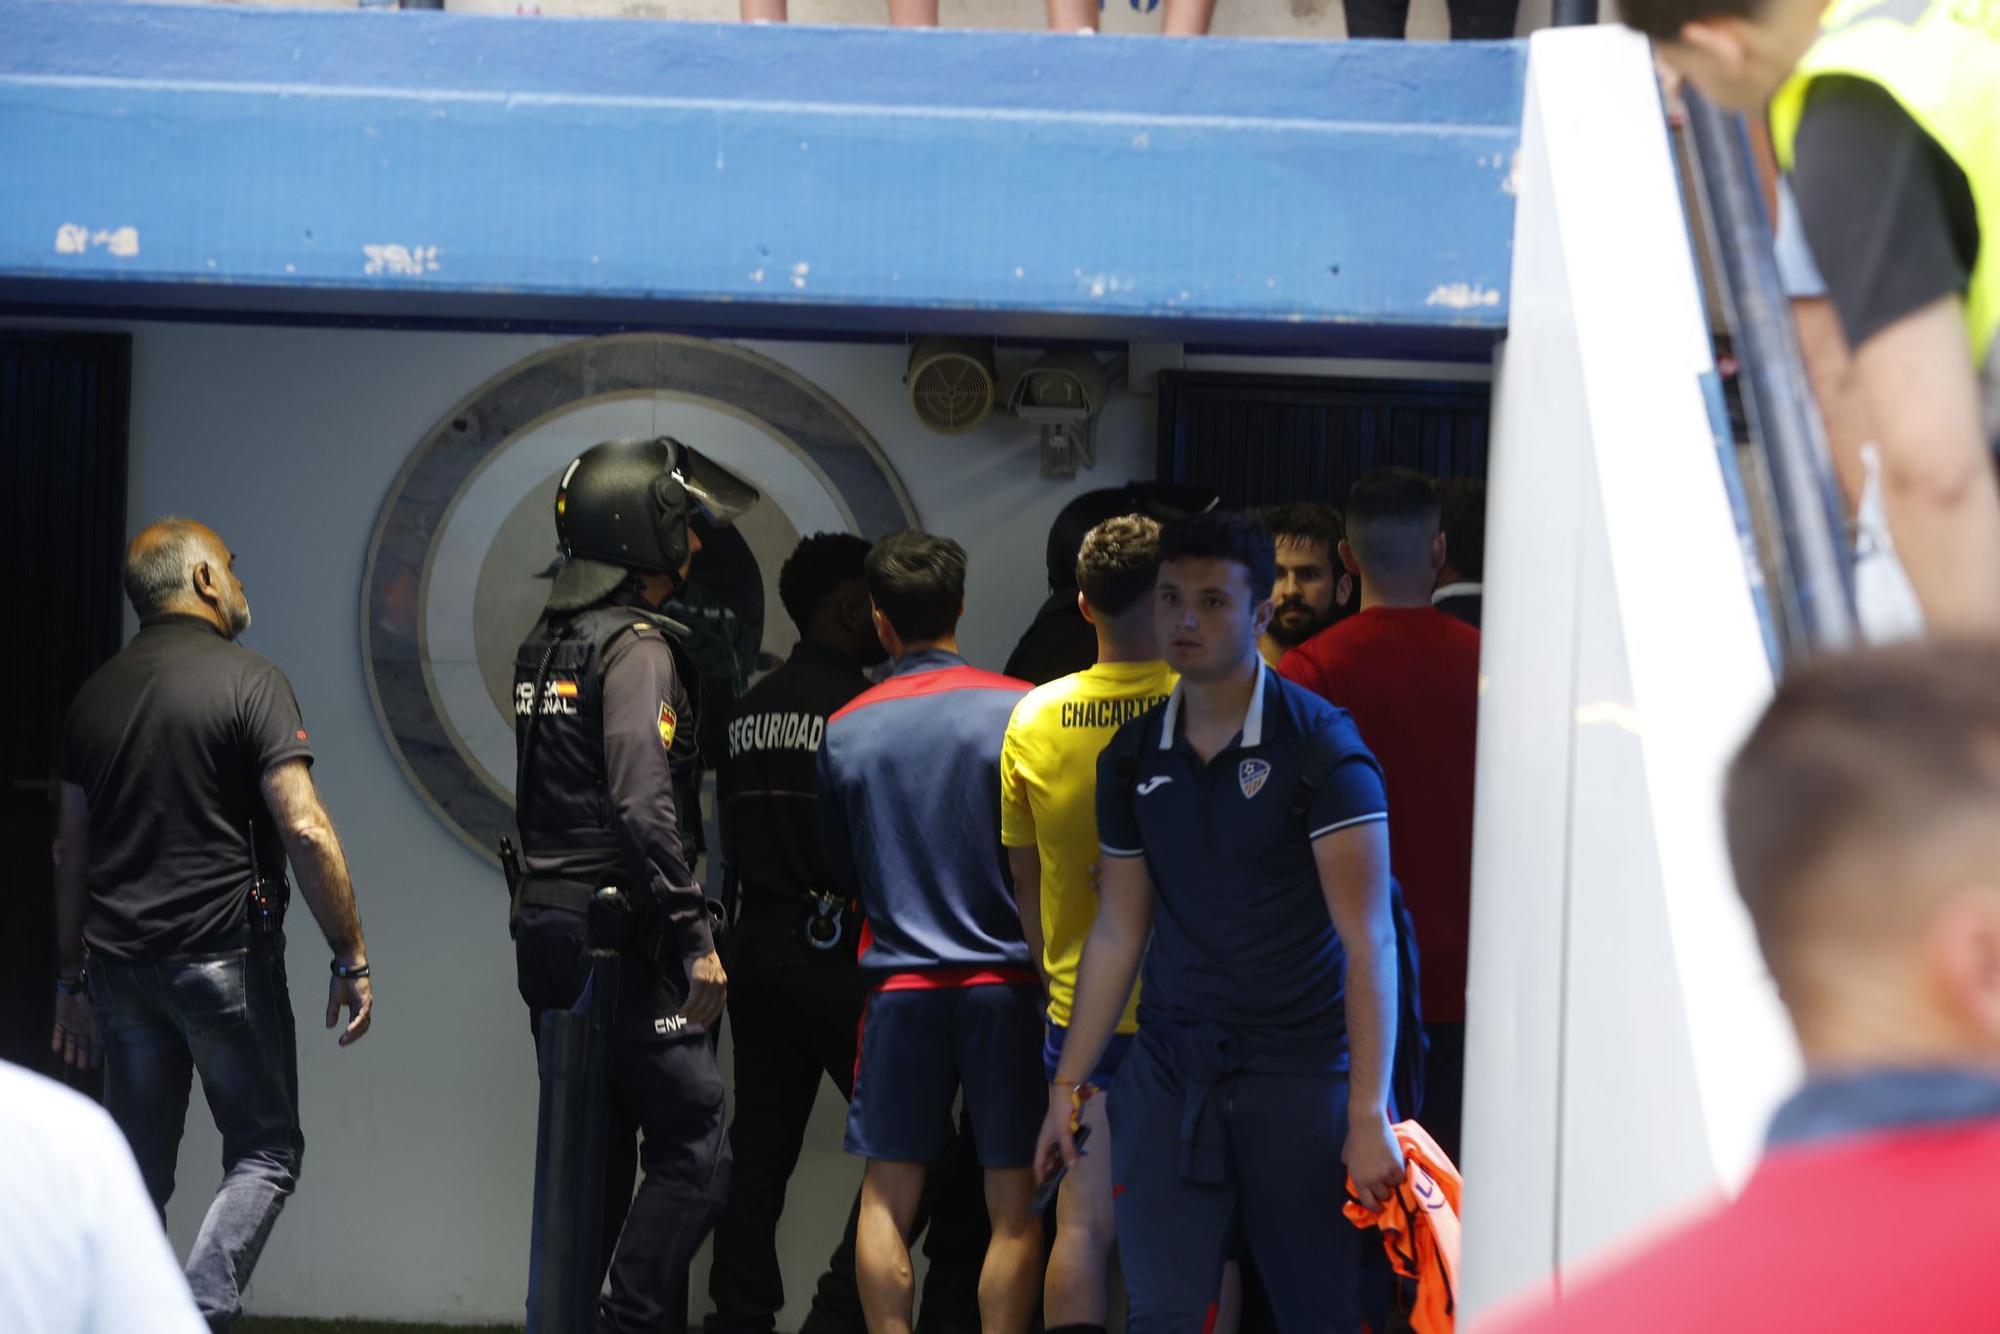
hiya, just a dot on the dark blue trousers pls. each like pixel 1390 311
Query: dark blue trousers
pixel 664 1115
pixel 1282 1183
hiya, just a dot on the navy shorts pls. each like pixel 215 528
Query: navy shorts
pixel 919 1047
pixel 1055 1034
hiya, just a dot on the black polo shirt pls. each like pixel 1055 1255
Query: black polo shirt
pixel 169 741
pixel 1242 939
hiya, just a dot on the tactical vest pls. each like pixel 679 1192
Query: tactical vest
pixel 1940 59
pixel 562 786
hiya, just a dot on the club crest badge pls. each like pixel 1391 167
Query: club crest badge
pixel 1251 775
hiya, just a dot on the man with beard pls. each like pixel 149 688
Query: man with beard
pixel 1461 585
pixel 1409 674
pixel 186 786
pixel 1312 591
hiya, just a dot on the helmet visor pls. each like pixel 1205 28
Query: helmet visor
pixel 722 495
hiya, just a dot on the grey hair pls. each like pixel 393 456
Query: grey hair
pixel 160 572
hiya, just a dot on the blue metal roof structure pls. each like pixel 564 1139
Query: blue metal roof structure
pixel 283 164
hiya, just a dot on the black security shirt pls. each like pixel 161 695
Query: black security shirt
pixel 1888 214
pixel 767 782
pixel 169 741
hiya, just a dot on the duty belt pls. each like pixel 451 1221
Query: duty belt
pixel 819 913
pixel 573 895
pixel 607 914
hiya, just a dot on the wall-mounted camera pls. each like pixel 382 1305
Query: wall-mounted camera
pixel 1062 394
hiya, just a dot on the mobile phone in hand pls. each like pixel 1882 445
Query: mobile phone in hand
pixel 1046 1196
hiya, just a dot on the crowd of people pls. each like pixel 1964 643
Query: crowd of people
pixel 965 869
pixel 1196 781
pixel 1131 952
pixel 1131 931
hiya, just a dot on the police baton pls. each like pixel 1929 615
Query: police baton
pixel 563 1258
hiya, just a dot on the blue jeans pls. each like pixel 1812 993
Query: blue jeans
pixel 228 1017
pixel 1281 1181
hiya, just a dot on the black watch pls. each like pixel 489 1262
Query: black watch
pixel 348 972
pixel 72 986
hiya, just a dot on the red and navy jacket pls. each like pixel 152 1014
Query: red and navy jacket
pixel 909 784
pixel 1875 1208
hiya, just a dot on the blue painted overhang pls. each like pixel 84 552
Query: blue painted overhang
pixel 331 165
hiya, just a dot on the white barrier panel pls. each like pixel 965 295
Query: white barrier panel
pixel 1625 1045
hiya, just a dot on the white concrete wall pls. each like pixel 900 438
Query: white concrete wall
pixel 420 1140
pixel 415 1195
pixel 1625 1044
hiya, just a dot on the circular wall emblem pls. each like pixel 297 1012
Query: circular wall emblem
pixel 453 582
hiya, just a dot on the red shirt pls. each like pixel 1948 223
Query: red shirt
pixel 1410 677
pixel 1882 1231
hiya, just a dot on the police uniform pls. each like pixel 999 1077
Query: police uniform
pixel 1233 1102
pixel 602 721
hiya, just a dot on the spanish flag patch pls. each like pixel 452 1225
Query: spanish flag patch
pixel 667 721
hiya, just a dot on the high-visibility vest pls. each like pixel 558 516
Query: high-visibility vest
pixel 1941 60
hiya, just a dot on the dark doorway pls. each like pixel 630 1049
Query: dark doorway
pixel 1263 439
pixel 63 416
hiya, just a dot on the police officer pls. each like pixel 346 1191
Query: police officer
pixel 603 717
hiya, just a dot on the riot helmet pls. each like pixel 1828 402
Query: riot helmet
pixel 623 506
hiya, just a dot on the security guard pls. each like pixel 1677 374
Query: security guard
pixel 796 1002
pixel 602 719
pixel 1884 115
pixel 796 990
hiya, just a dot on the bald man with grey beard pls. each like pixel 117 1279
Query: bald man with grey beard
pixel 186 786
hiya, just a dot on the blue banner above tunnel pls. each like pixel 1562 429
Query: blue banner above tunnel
pixel 288 164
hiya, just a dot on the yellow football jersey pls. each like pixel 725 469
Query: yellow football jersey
pixel 1048 801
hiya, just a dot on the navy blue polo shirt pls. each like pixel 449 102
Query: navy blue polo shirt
pixel 1242 938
